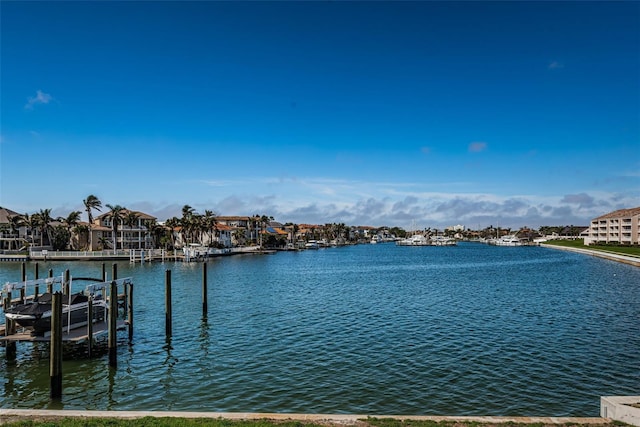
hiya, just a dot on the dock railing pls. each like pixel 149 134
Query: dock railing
pixel 126 254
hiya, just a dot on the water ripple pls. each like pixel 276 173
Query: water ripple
pixel 467 330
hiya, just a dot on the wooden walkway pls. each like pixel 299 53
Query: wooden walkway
pixel 75 335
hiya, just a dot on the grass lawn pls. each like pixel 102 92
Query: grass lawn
pixel 218 422
pixel 625 250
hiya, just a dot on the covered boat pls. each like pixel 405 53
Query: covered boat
pixel 36 314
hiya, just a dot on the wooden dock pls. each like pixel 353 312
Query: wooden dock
pixel 75 335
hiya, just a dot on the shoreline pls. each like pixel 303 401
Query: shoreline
pixel 626 259
pixel 6 415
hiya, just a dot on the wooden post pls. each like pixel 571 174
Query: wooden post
pixel 50 285
pixel 125 302
pixel 36 290
pixel 10 329
pixel 130 313
pixel 114 271
pixel 12 347
pixel 204 290
pixel 23 291
pixel 90 327
pixel 55 359
pixel 167 303
pixel 67 282
pixel 104 273
pixel 113 325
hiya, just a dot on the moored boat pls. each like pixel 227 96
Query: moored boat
pixel 36 314
pixel 509 240
pixel 415 240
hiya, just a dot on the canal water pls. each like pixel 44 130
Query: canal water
pixel 367 329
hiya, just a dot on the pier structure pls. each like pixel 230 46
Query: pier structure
pixel 120 291
pixel 78 329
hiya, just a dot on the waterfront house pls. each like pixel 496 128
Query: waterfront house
pixel 13 232
pixel 243 228
pixel 619 227
pixel 132 234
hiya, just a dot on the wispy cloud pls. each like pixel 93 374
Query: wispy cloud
pixel 425 150
pixel 477 146
pixel 555 65
pixel 582 199
pixel 40 98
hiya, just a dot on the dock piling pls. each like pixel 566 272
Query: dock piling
pixel 11 348
pixel 104 272
pixel 55 359
pixel 130 313
pixel 204 290
pixel 113 315
pixel 167 303
pixel 50 285
pixel 36 290
pixel 90 327
pixel 67 283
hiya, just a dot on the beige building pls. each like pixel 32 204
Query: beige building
pixel 133 235
pixel 621 226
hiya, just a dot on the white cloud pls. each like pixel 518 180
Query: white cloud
pixel 477 146
pixel 555 65
pixel 320 200
pixel 40 98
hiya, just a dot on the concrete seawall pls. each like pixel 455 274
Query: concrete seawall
pixel 338 419
pixel 627 259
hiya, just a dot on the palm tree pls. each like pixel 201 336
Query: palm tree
pixel 156 232
pixel 264 222
pixel 79 230
pixel 116 216
pixel 90 203
pixel 15 222
pixel 131 220
pixel 44 224
pixel 70 221
pixel 171 224
pixel 102 242
pixel 209 223
pixel 188 223
pixel 31 222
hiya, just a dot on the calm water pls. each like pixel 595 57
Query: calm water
pixel 369 329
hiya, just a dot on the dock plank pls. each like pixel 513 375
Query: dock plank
pixel 74 335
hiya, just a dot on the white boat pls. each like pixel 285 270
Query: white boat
pixel 509 240
pixel 36 315
pixel 194 250
pixel 443 241
pixel 415 240
pixel 311 244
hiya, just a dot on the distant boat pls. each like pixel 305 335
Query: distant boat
pixel 443 241
pixel 415 240
pixel 36 314
pixel 311 244
pixel 509 240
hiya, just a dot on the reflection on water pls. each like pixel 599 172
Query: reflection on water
pixel 371 329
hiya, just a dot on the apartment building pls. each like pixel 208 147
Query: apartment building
pixel 131 235
pixel 621 226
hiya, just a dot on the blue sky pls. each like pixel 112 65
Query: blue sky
pixel 367 113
